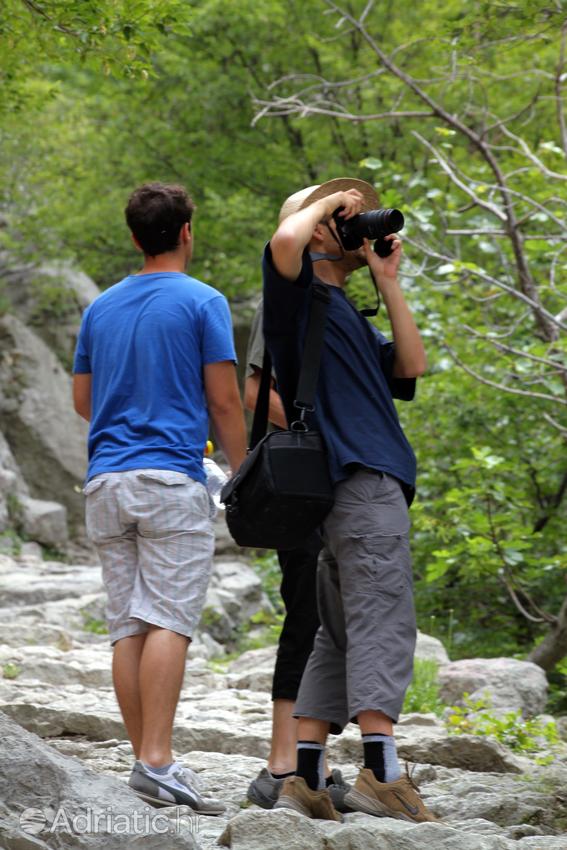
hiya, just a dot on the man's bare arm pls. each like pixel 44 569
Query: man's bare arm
pixel 295 232
pixel 225 410
pixel 410 360
pixel 82 384
pixel 276 413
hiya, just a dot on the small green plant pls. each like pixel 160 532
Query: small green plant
pixel 520 734
pixel 267 567
pixel 94 626
pixel 423 694
pixel 10 543
pixel 52 554
pixel 15 509
pixel 10 670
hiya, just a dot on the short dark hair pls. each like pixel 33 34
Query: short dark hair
pixel 155 214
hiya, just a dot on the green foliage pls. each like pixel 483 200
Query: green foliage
pixel 53 302
pixel 51 553
pixel 266 565
pixel 14 507
pixel 422 695
pixel 93 625
pixel 522 735
pixel 10 670
pixel 10 543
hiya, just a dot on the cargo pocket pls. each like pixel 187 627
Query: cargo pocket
pixel 93 485
pixel 380 565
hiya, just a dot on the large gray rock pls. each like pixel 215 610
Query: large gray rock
pixel 51 801
pixel 505 683
pixel 272 830
pixel 12 485
pixel 48 581
pixel 50 297
pixel 254 670
pixel 234 595
pixel 45 434
pixel 430 649
pixel 433 745
pixel 45 522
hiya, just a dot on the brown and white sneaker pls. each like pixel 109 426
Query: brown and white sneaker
pixel 399 799
pixel 297 795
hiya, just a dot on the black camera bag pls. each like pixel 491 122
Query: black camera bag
pixel 283 490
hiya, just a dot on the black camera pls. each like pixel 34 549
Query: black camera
pixel 375 224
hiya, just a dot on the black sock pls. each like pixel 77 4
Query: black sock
pixel 310 760
pixel 281 775
pixel 380 757
pixel 374 758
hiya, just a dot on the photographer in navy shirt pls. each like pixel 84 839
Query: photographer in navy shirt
pixel 362 660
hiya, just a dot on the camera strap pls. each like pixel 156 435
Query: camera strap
pixel 315 255
pixel 367 312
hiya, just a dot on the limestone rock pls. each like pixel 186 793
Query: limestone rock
pixel 508 684
pixel 44 793
pixel 430 649
pixel 432 745
pixel 12 485
pixel 272 830
pixel 46 581
pixel 35 288
pixel 235 594
pixel 45 522
pixel 46 436
pixel 254 670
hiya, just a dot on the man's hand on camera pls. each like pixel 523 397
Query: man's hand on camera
pixel 351 201
pixel 385 269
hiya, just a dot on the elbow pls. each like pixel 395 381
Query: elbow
pixel 83 411
pixel 225 407
pixel 415 369
pixel 420 369
pixel 250 394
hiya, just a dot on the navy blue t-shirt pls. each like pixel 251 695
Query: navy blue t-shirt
pixel 355 411
pixel 145 341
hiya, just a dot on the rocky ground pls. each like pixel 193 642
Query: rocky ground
pixel 56 684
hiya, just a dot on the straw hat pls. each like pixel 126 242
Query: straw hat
pixel 306 197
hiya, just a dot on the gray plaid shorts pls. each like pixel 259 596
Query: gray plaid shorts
pixel 153 532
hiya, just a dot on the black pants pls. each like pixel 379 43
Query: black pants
pixel 299 594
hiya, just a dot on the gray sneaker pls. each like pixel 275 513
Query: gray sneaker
pixel 265 790
pixel 337 791
pixel 174 788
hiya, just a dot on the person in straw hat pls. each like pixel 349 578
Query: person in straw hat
pixel 362 659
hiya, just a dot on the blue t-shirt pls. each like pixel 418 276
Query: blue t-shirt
pixel 355 411
pixel 145 341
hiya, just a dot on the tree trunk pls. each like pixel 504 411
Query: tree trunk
pixel 554 645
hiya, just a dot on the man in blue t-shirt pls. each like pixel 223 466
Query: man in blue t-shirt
pixel 154 361
pixel 362 658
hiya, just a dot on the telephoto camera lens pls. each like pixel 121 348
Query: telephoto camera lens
pixel 375 224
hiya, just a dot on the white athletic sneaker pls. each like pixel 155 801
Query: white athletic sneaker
pixel 175 788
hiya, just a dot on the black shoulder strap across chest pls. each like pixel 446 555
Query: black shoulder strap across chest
pixel 309 373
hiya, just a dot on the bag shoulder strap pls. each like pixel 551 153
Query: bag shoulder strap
pixel 311 359
pixel 309 373
pixel 260 421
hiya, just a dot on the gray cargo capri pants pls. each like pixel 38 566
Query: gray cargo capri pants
pixel 153 533
pixel 362 657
